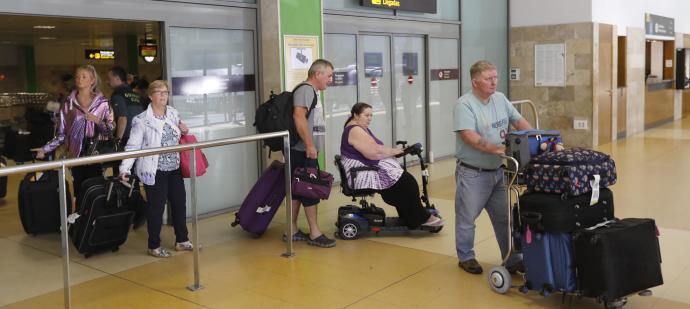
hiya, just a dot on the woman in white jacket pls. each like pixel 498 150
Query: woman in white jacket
pixel 159 126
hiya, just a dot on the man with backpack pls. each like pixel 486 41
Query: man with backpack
pixel 311 128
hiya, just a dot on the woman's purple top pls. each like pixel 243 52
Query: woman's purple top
pixel 73 125
pixel 349 151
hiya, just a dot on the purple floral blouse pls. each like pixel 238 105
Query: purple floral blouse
pixel 73 125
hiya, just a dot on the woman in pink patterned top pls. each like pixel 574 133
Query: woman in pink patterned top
pixel 84 115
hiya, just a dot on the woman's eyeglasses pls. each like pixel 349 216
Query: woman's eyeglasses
pixel 164 93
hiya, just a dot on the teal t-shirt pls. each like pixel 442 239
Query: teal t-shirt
pixel 490 120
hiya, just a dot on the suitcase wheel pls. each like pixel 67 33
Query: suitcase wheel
pixel 499 279
pixel 115 249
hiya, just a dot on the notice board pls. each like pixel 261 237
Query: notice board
pixel 549 65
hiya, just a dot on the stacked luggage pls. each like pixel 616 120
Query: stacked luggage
pixel 569 236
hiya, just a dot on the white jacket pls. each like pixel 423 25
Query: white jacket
pixel 147 131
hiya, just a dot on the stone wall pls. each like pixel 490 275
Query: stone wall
pixel 635 56
pixel 558 106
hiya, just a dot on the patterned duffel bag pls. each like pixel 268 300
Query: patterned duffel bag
pixel 570 172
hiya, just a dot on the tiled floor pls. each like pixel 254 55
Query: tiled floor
pixel 418 270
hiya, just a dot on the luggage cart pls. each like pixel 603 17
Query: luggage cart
pixel 500 280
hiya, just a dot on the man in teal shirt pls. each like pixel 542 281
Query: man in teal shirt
pixel 481 119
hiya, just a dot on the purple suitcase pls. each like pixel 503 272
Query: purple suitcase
pixel 263 201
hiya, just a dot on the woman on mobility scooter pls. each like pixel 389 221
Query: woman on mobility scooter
pixel 359 147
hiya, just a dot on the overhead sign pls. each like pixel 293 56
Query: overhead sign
pixel 659 25
pixel 99 54
pixel 424 6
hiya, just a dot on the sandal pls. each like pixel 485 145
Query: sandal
pixel 184 246
pixel 298 236
pixel 159 252
pixel 435 222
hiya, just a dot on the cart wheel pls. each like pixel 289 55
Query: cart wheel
pixel 349 229
pixel 499 279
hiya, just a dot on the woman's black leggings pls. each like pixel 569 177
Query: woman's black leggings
pixel 404 195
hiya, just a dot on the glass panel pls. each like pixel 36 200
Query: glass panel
pixel 341 50
pixel 485 37
pixel 213 89
pixel 374 80
pixel 443 94
pixel 410 95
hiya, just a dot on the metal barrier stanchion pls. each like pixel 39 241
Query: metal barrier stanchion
pixel 288 196
pixel 62 166
pixel 64 236
pixel 195 222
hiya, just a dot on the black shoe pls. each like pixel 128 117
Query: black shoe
pixel 322 241
pixel 471 266
pixel 517 267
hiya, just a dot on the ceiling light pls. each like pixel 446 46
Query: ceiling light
pixel 44 27
pixel 47 38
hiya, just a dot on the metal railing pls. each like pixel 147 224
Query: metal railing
pixel 62 166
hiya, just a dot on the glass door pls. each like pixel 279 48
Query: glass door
pixel 374 81
pixel 213 88
pixel 409 78
pixel 341 94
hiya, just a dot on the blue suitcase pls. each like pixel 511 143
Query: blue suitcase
pixel 549 262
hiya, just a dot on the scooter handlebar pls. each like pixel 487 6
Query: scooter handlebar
pixel 414 149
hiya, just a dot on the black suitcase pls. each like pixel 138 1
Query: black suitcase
pixel 18 146
pixel 39 203
pixel 553 213
pixel 618 259
pixel 106 208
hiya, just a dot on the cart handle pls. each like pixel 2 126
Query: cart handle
pixel 515 172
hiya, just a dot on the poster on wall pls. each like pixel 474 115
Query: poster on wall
pixel 549 65
pixel 299 52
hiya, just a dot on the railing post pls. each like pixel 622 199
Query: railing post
pixel 288 196
pixel 64 236
pixel 195 222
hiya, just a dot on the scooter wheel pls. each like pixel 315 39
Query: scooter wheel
pixel 349 229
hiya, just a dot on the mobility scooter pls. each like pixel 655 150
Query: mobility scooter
pixel 355 221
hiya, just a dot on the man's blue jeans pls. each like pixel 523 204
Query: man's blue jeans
pixel 477 190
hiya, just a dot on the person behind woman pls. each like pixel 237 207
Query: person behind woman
pixel 85 115
pixel 159 126
pixel 359 147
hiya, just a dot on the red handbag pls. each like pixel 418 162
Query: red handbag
pixel 201 161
